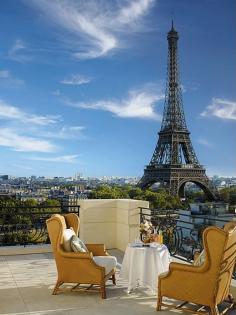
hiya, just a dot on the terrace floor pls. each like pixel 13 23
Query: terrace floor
pixel 26 283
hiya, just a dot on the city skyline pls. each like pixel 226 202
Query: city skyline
pixel 82 84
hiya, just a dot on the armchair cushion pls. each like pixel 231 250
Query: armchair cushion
pixel 109 262
pixel 67 235
pixel 78 245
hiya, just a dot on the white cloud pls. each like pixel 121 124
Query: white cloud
pixel 76 79
pixel 94 27
pixel 14 113
pixel 18 52
pixel 130 13
pixel 62 159
pixel 7 79
pixel 66 132
pixel 33 133
pixel 139 104
pixel 205 142
pixel 221 108
pixel 12 139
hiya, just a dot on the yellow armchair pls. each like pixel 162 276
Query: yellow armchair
pixel 208 284
pixel 78 268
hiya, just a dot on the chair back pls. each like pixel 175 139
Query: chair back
pixel 57 224
pixel 220 249
pixel 227 263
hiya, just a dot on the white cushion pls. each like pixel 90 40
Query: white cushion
pixel 109 262
pixel 67 235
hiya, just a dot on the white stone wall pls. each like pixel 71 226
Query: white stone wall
pixel 114 222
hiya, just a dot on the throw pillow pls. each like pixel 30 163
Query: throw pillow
pixel 67 235
pixel 78 245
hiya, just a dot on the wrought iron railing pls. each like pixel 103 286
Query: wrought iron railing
pixel 26 225
pixel 182 232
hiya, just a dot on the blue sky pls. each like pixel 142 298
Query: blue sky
pixel 82 84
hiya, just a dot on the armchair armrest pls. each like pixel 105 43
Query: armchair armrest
pixel 184 267
pixel 86 259
pixel 180 267
pixel 75 255
pixel 97 249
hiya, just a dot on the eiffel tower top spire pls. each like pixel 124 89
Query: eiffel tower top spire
pixel 173 116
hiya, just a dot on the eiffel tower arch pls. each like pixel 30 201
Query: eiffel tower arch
pixel 174 161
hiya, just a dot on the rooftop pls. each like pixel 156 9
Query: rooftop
pixel 26 288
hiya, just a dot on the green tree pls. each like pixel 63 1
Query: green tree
pixel 105 192
pixel 135 193
pixel 160 199
pixel 52 204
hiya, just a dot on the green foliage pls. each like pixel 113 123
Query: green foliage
pixel 159 199
pixel 135 193
pixel 108 192
pixel 227 195
pixel 196 196
pixel 21 218
pixel 52 204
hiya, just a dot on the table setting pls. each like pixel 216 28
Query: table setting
pixel 143 261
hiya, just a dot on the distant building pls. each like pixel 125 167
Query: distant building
pixel 192 222
pixel 4 177
pixel 212 208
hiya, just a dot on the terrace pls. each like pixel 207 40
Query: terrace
pixel 28 273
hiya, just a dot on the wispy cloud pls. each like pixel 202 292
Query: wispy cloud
pixel 221 108
pixel 76 79
pixel 33 133
pixel 8 80
pixel 189 86
pixel 8 111
pixel 96 25
pixel 18 52
pixel 133 11
pixel 66 132
pixel 205 142
pixel 12 139
pixel 61 159
pixel 138 104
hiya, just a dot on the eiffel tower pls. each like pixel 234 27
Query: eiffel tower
pixel 174 162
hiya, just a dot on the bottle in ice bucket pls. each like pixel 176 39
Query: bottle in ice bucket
pixel 160 237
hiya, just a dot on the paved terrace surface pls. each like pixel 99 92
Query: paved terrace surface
pixel 26 283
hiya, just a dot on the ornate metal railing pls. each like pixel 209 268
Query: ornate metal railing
pixel 182 232
pixel 26 225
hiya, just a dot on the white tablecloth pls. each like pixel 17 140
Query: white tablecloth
pixel 142 265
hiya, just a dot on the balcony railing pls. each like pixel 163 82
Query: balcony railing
pixel 182 233
pixel 26 225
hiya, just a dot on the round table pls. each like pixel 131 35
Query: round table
pixel 142 265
